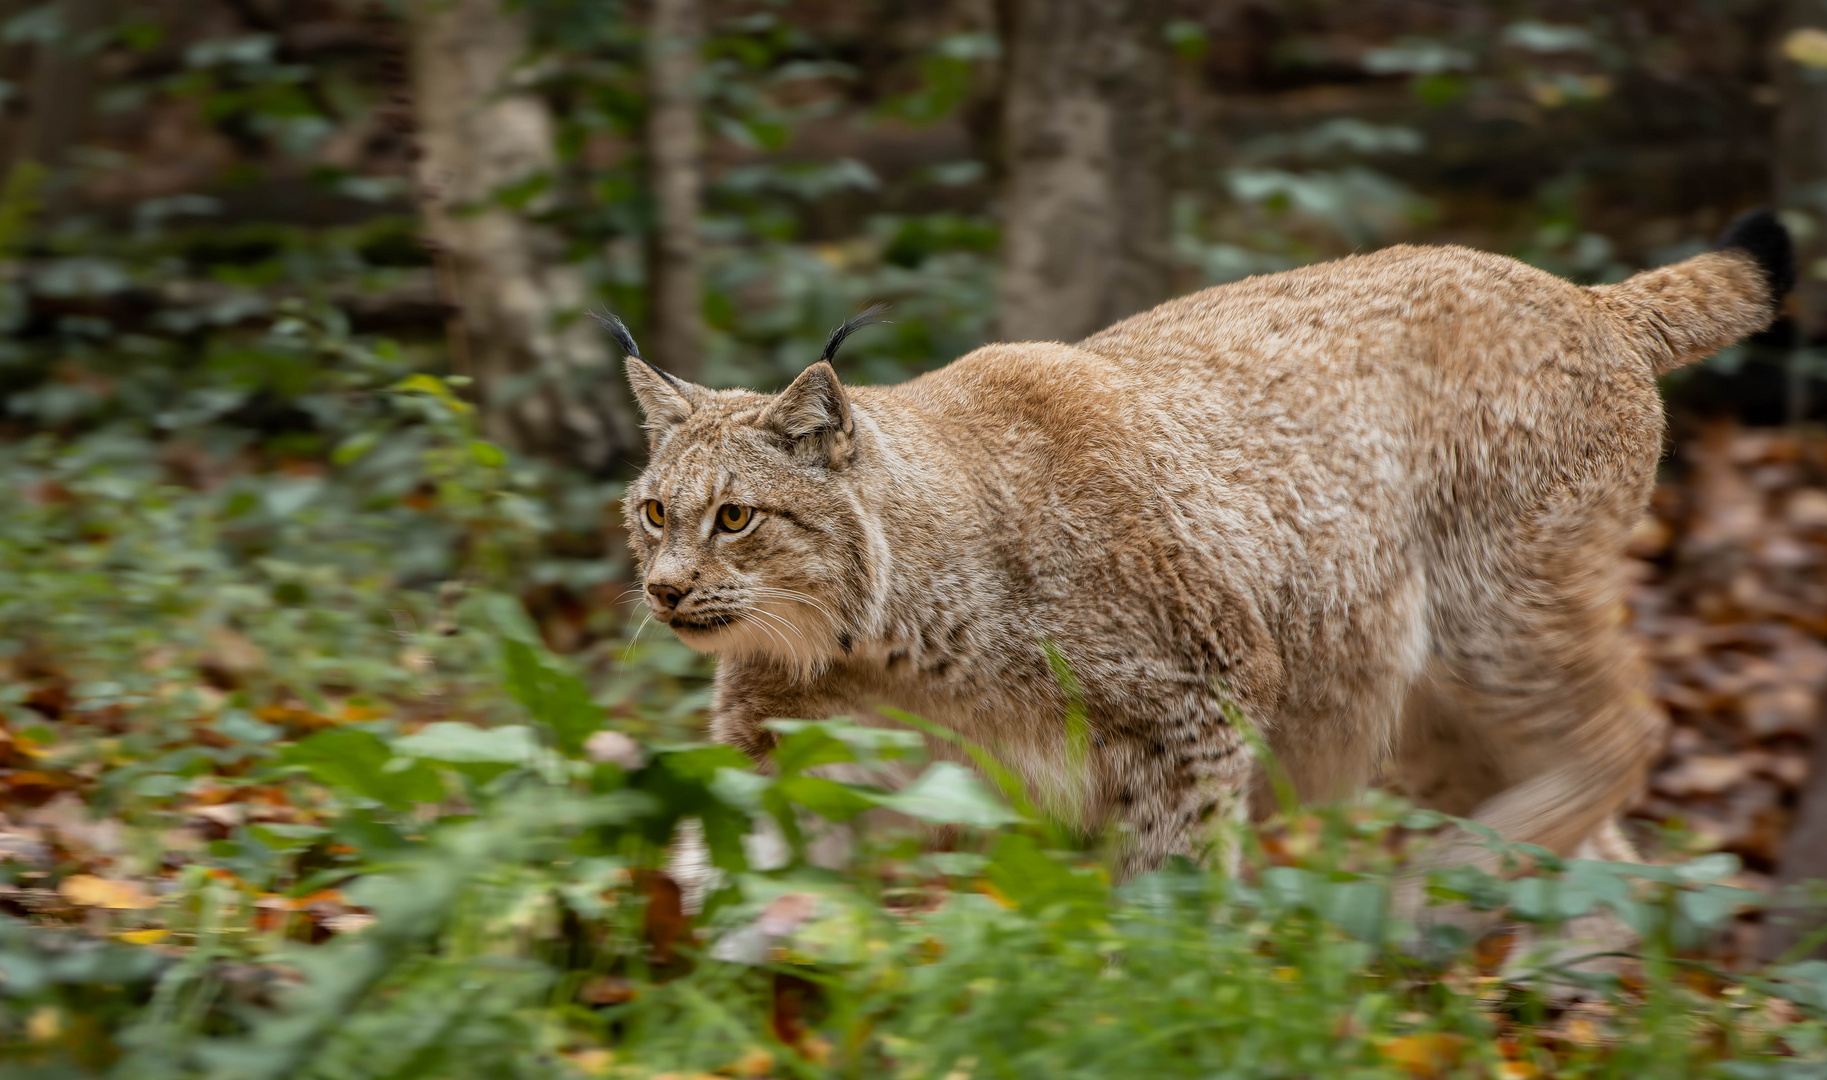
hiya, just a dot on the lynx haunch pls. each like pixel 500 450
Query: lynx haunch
pixel 1377 504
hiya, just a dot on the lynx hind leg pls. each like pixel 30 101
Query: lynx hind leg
pixel 1443 760
pixel 1552 681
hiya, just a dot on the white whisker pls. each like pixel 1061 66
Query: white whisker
pixel 628 654
pixel 784 622
pixel 798 597
pixel 785 645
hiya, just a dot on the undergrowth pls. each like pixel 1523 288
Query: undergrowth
pixel 285 800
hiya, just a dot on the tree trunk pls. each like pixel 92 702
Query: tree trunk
pixel 60 85
pixel 1801 182
pixel 1803 859
pixel 1801 158
pixel 1085 203
pixel 547 381
pixel 674 37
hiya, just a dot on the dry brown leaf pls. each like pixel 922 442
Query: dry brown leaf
pixel 1703 774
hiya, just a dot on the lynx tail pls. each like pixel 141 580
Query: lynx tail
pixel 1678 314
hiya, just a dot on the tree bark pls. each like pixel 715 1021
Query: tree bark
pixel 1085 216
pixel 674 38
pixel 547 381
pixel 1801 160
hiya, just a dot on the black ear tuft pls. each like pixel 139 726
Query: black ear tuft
pixel 1761 235
pixel 625 341
pixel 867 318
pixel 619 331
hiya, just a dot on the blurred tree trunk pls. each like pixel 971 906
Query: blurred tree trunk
pixel 59 84
pixel 1801 181
pixel 1801 155
pixel 1085 203
pixel 674 37
pixel 546 379
pixel 1803 859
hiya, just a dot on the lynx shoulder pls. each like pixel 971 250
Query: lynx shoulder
pixel 1376 504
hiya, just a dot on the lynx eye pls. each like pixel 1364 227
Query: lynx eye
pixel 733 518
pixel 655 512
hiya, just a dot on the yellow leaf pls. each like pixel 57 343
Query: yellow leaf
pixel 755 1061
pixel 45 1023
pixel 816 1049
pixel 151 936
pixel 436 387
pixel 1807 46
pixel 1426 1055
pixel 594 1061
pixel 88 890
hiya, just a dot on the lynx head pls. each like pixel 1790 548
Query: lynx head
pixel 745 525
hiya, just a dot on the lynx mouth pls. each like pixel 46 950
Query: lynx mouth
pixel 703 624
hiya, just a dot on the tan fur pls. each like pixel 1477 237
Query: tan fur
pixel 1379 504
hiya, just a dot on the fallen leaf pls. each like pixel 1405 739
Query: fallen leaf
pixel 1432 1054
pixel 756 1061
pixel 665 920
pixel 87 890
pixel 1702 774
pixel 606 990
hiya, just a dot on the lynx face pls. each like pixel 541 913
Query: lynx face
pixel 748 536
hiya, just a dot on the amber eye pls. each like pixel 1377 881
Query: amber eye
pixel 656 513
pixel 733 518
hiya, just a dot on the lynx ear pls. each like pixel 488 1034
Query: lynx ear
pixel 814 414
pixel 664 400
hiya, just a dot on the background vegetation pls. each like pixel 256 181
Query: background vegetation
pixel 312 613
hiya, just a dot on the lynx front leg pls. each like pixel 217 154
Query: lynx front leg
pixel 749 693
pixel 1168 786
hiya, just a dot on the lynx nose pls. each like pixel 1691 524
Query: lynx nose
pixel 667 595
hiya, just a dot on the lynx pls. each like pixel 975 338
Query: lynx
pixel 1377 506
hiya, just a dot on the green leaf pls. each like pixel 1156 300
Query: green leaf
pixel 704 763
pixel 553 696
pixel 283 837
pixel 356 762
pixel 948 794
pixel 869 743
pixel 1713 905
pixel 1037 882
pixel 486 453
pixel 1804 983
pixel 1001 775
pixel 353 448
pixel 434 386
pixel 826 798
pixel 1548 900
pixel 458 743
pixel 1715 867
pixel 807 748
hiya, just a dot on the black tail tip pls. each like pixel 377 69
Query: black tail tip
pixel 1761 235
